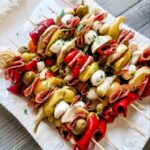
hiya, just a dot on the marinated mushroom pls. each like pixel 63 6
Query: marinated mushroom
pixel 29 77
pixel 23 49
pixel 80 127
pixel 100 107
pixel 64 70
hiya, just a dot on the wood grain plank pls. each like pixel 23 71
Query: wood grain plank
pixel 138 15
pixel 118 6
pixel 145 29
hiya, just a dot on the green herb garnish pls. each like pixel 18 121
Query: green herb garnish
pixel 85 48
pixel 62 13
pixel 47 85
pixel 25 111
pixel 80 27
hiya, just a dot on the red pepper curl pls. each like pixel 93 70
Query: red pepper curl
pixel 122 105
pixel 95 128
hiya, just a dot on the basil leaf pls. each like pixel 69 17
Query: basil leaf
pixel 85 48
pixel 80 27
pixel 25 111
pixel 62 13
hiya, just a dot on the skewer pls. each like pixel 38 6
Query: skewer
pixel 131 125
pixel 111 143
pixel 52 10
pixel 13 42
pixel 140 105
pixel 97 144
pixel 31 22
pixel 69 4
pixel 133 106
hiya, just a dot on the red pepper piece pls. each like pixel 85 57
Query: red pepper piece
pixel 49 62
pixel 31 66
pixel 100 133
pixel 106 52
pixel 100 16
pixel 75 71
pixel 147 89
pixel 70 55
pixel 145 57
pixel 78 66
pixel 14 88
pixel 35 34
pixel 49 74
pixel 93 125
pixel 122 105
pixel 109 115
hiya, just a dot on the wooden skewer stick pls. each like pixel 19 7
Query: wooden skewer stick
pixel 97 144
pixel 52 10
pixel 69 4
pixel 133 106
pixel 31 22
pixel 111 143
pixel 131 125
pixel 140 105
pixel 13 42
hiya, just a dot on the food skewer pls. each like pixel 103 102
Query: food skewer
pixel 140 105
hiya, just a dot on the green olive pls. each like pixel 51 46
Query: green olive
pixel 23 49
pixel 80 127
pixel 28 77
pixel 82 10
pixel 26 57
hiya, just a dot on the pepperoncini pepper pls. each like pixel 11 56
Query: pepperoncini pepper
pixel 120 63
pixel 66 94
pixel 48 83
pixel 88 72
pixel 114 30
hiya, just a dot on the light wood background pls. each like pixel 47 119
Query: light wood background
pixel 12 135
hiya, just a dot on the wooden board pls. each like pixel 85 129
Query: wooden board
pixel 12 135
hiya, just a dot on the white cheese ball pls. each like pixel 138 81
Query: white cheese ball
pixel 129 74
pixel 56 47
pixel 66 18
pixel 98 77
pixel 91 94
pixel 90 36
pixel 60 109
pixel 97 26
pixel 40 65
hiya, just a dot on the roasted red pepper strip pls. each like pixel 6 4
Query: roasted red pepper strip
pixel 145 57
pixel 49 74
pixel 93 125
pixel 109 115
pixel 106 52
pixel 146 92
pixel 122 105
pixel 70 55
pixel 35 34
pixel 100 133
pixel 49 62
pixel 100 16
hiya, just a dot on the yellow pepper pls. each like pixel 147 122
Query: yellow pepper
pixel 48 83
pixel 47 110
pixel 58 34
pixel 88 72
pixel 120 63
pixel 114 30
pixel 54 68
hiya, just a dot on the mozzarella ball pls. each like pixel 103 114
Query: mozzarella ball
pixel 97 26
pixel 40 65
pixel 56 47
pixel 90 36
pixel 66 18
pixel 43 73
pixel 91 94
pixel 60 109
pixel 98 77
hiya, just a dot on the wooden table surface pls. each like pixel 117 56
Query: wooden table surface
pixel 12 135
